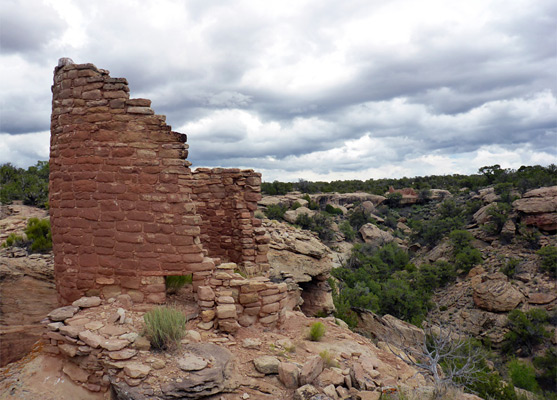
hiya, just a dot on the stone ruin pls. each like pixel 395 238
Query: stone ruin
pixel 127 211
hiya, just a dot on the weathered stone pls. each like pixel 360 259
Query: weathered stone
pixel 71 331
pixel 289 375
pixel 374 236
pixel 205 293
pixel 136 370
pixel 86 302
pixel 228 325
pixel 266 364
pixel 541 298
pixel 192 336
pixel 226 311
pixel 305 392
pixel 125 354
pixel 114 344
pixel 496 295
pixel 189 362
pixel 208 315
pixel 142 343
pixel 91 339
pixel 75 373
pixel 68 350
pixel 94 325
pixel 330 376
pixel 311 370
pixel 205 382
pixel 250 343
pixel 63 313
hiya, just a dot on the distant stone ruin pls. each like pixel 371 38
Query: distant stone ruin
pixel 127 211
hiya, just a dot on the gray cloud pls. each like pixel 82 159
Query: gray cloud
pixel 323 89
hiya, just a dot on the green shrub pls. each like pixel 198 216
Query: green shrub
pixel 15 241
pixel 164 327
pixel 358 219
pixel 275 211
pixel 328 359
pixel 316 331
pixel 312 205
pixel 510 266
pixel 548 256
pixel 499 214
pixel 295 205
pixel 320 223
pixel 176 282
pixel 460 239
pixel 333 210
pixel 258 214
pixel 547 367
pixel 523 375
pixel 347 231
pixel 526 331
pixel 39 234
pixel 467 258
pixel 393 199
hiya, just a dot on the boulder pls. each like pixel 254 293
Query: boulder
pixel 539 207
pixel 305 392
pixel 374 236
pixel 292 215
pixel 267 364
pixel 205 382
pixel 496 294
pixel 311 370
pixel 63 313
pixel 289 375
pixel 86 302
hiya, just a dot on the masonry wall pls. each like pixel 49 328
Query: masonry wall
pixel 226 199
pixel 120 191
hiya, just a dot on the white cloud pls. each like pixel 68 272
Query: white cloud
pixel 306 89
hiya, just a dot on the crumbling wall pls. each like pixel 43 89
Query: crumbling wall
pixel 121 212
pixel 226 199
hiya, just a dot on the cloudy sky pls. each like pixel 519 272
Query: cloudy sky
pixel 320 90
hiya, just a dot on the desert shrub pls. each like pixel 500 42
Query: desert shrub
pixel 14 240
pixel 526 331
pixel 275 211
pixel 547 367
pixel 328 358
pixel 316 331
pixel 510 266
pixel 548 255
pixel 312 205
pixel 259 214
pixel 30 186
pixel 320 223
pixel 164 327
pixel 460 239
pixel 523 375
pixel 358 218
pixel 393 199
pixel 295 205
pixel 499 215
pixel 276 187
pixel 333 210
pixel 467 258
pixel 39 234
pixel 176 282
pixel 347 231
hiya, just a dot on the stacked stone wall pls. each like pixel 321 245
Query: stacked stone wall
pixel 121 212
pixel 226 200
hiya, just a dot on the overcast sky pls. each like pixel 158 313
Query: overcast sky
pixel 320 90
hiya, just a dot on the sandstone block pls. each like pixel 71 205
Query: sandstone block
pixel 137 370
pixel 289 375
pixel 63 313
pixel 311 370
pixel 226 311
pixel 75 373
pixel 86 302
pixel 205 293
pixel 267 364
pixel 91 339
